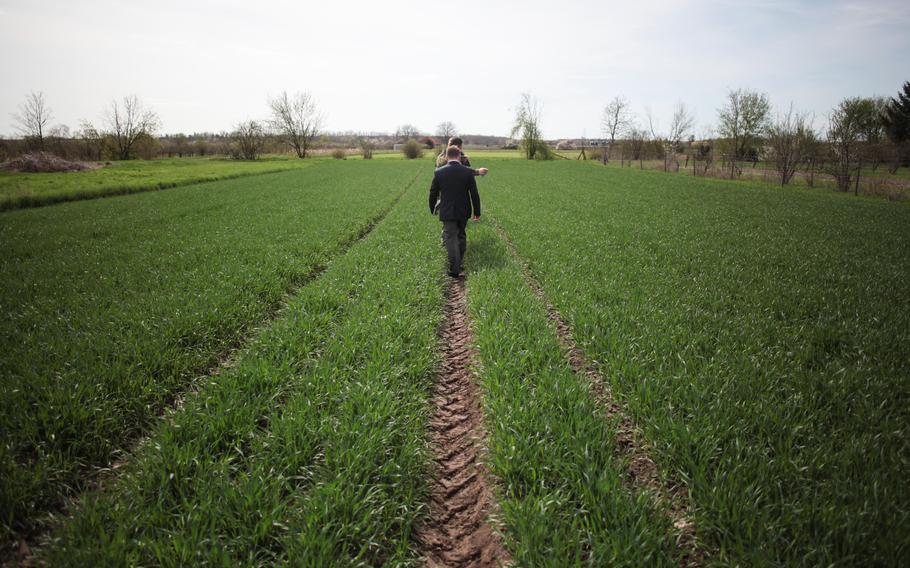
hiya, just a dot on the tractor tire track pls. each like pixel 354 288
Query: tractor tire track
pixel 458 531
pixel 641 470
pixel 30 543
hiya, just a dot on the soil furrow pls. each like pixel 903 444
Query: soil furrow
pixel 457 531
pixel 641 469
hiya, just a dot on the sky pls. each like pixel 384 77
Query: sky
pixel 203 66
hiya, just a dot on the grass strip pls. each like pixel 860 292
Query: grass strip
pixel 755 334
pixel 563 498
pixel 311 450
pixel 115 305
pixel 26 190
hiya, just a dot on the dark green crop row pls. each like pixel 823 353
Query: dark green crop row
pixel 113 306
pixel 312 449
pixel 761 337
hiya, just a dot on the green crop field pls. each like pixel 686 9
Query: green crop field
pixel 113 305
pixel 258 358
pixel 760 336
pixel 132 176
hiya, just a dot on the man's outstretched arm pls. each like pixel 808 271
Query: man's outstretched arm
pixel 478 171
pixel 475 198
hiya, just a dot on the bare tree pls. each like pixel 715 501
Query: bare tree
pixel 527 127
pixel 681 125
pixel 791 139
pixel 617 119
pixel 296 119
pixel 742 120
pixel 662 146
pixel 407 132
pixel 33 118
pixel 445 130
pixel 247 140
pixel 653 125
pixel 130 123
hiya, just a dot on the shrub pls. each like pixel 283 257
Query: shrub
pixel 247 141
pixel 339 154
pixel 542 151
pixel 366 149
pixel 412 149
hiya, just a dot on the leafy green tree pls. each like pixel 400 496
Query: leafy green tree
pixel 853 127
pixel 896 117
pixel 896 122
pixel 743 120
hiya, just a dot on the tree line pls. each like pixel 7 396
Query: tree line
pixel 860 132
pixel 130 129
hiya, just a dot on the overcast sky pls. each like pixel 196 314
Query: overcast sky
pixel 205 65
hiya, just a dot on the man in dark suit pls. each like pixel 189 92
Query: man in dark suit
pixel 456 191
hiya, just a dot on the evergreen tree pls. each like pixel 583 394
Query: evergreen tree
pixel 897 116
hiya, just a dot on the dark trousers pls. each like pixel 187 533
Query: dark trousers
pixel 456 242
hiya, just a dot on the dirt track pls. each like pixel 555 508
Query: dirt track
pixel 457 532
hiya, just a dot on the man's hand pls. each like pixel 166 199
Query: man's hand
pixel 475 218
pixel 482 171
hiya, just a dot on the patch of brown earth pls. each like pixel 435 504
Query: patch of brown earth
pixel 458 531
pixel 43 162
pixel 641 470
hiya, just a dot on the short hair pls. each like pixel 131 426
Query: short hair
pixel 453 152
pixel 456 141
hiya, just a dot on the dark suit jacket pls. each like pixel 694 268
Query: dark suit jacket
pixel 455 185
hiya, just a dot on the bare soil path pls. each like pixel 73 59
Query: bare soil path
pixel 458 531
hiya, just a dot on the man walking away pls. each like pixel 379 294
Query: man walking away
pixel 442 159
pixel 454 186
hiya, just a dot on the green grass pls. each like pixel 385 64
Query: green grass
pixel 562 495
pixel 760 336
pixel 36 189
pixel 112 306
pixel 311 450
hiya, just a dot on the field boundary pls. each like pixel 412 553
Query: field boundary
pixel 458 531
pixel 96 479
pixel 641 470
pixel 35 202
